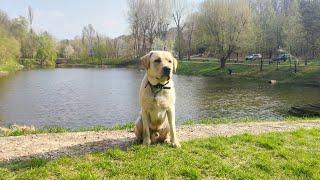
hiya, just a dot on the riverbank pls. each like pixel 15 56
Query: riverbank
pixel 245 150
pixel 9 67
pixel 284 73
pixel 20 130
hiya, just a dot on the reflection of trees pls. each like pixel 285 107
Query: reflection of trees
pixel 189 92
pixel 234 99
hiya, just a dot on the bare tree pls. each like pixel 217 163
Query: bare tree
pixel 149 19
pixel 88 36
pixel 30 17
pixel 190 25
pixel 225 22
pixel 163 11
pixel 178 13
pixel 135 11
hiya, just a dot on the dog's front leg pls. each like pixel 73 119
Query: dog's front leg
pixel 145 128
pixel 172 122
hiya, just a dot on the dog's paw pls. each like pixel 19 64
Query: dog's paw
pixel 176 144
pixel 147 141
pixel 167 141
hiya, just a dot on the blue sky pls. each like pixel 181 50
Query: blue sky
pixel 66 18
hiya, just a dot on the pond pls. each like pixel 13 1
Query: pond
pixel 76 97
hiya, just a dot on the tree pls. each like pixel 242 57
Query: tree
pixel 266 27
pixel 179 11
pixel 163 10
pixel 9 47
pixel 88 37
pixel 46 50
pixel 148 19
pixel 30 45
pixel 294 30
pixel 30 17
pixel 223 23
pixel 190 26
pixel 68 51
pixel 310 14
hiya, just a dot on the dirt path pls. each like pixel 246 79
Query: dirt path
pixel 77 143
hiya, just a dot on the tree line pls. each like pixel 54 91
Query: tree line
pixel 221 29
pixel 227 28
pixel 19 40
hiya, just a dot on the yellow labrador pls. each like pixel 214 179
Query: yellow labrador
pixel 157 99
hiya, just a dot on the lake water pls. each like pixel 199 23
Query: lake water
pixel 76 98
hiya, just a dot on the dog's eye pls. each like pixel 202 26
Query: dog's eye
pixel 157 61
pixel 170 61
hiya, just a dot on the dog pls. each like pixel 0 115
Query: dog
pixel 156 122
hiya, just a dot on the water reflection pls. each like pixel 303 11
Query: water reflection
pixel 88 97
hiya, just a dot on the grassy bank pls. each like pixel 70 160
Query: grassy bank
pixel 17 130
pixel 283 73
pixel 285 155
pixel 9 67
pixel 96 61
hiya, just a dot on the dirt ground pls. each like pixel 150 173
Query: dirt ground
pixel 79 143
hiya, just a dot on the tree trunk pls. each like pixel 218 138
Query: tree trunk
pixel 237 57
pixel 223 62
pixel 179 44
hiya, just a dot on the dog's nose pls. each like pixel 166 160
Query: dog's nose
pixel 166 70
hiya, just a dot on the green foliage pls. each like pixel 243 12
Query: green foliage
pixel 223 24
pixel 9 47
pixel 278 155
pixel 46 50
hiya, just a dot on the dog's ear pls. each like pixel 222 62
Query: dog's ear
pixel 145 60
pixel 175 64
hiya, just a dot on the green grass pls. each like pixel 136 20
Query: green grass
pixel 11 131
pixel 285 155
pixel 247 71
pixel 10 66
pixel 96 61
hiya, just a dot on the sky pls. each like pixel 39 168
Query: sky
pixel 65 18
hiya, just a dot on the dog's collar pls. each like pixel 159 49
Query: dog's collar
pixel 157 88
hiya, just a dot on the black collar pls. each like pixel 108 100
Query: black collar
pixel 157 88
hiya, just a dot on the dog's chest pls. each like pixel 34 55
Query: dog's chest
pixel 160 102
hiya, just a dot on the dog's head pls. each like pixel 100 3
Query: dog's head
pixel 160 65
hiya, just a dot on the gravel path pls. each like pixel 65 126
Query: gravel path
pixel 77 143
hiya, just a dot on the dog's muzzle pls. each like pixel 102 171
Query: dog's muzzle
pixel 166 71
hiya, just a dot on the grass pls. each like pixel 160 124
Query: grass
pixel 285 155
pixel 96 61
pixel 10 66
pixel 15 130
pixel 284 73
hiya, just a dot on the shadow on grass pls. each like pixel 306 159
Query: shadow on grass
pixel 41 159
